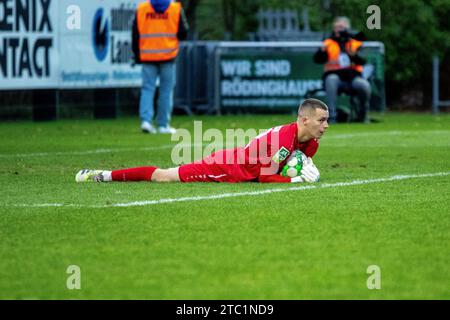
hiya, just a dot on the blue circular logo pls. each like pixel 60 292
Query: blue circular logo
pixel 100 35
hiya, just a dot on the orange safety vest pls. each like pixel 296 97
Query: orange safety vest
pixel 334 51
pixel 158 32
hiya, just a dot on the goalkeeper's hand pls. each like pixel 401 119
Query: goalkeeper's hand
pixel 297 179
pixel 309 172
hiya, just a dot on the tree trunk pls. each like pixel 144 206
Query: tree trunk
pixel 229 16
pixel 190 7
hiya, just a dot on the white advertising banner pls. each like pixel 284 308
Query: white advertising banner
pixel 28 44
pixel 98 53
pixel 67 44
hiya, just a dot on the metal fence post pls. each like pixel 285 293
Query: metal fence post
pixel 435 84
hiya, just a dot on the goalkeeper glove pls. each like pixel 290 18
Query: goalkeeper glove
pixel 309 172
pixel 297 179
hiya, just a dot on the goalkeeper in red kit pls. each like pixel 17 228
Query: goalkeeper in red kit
pixel 261 160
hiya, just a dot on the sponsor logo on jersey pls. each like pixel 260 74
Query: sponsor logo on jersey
pixel 281 155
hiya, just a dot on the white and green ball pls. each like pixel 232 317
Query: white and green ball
pixel 294 164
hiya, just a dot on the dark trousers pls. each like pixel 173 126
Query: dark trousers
pixel 358 86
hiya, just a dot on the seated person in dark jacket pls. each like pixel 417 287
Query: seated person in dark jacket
pixel 343 68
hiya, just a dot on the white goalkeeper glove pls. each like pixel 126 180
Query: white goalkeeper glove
pixel 309 172
pixel 297 179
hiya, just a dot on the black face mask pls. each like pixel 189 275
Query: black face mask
pixel 344 35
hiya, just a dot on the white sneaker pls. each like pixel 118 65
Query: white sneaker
pixel 87 175
pixel 167 130
pixel 147 127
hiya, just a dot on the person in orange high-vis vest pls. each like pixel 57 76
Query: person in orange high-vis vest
pixel 343 68
pixel 158 27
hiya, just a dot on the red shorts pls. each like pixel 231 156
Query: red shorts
pixel 207 171
pixel 201 172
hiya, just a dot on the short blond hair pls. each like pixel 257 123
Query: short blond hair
pixel 310 105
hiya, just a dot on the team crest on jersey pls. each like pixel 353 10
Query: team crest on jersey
pixel 281 155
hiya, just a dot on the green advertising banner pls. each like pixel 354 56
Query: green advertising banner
pixel 279 79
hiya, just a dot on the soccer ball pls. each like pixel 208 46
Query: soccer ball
pixel 294 164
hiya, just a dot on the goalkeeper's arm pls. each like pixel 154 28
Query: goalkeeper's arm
pixel 275 178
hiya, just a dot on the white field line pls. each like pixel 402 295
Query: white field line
pixel 384 133
pixel 169 146
pixel 237 194
pixel 95 151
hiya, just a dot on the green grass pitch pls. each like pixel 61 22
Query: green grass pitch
pixel 292 244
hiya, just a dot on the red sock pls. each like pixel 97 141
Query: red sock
pixel 133 174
